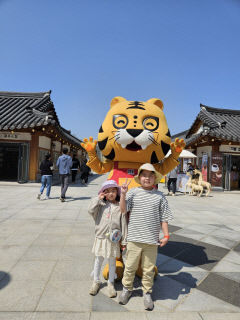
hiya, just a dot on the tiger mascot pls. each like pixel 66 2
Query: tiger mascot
pixel 133 133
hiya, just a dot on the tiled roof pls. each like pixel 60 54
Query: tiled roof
pixel 222 123
pixel 21 110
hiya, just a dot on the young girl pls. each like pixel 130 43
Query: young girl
pixel 110 228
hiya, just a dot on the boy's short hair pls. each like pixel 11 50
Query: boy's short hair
pixel 65 150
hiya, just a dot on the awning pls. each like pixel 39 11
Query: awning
pixel 183 154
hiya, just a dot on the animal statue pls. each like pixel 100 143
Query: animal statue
pixel 203 183
pixel 133 133
pixel 197 189
pixel 188 185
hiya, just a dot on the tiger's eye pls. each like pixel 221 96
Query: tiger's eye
pixel 151 123
pixel 120 121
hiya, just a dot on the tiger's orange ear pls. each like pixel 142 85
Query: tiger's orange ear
pixel 157 102
pixel 117 100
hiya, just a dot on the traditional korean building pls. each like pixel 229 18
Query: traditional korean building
pixel 214 138
pixel 29 129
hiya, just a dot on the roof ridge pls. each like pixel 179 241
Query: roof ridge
pixel 25 94
pixel 219 110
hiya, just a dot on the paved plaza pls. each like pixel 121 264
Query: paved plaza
pixel 46 260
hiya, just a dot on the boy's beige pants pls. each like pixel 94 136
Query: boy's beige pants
pixel 135 252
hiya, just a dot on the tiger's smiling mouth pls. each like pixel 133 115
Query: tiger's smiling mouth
pixel 133 146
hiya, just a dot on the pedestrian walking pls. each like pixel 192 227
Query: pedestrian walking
pixel 64 164
pixel 110 229
pixel 46 168
pixel 84 173
pixel 149 212
pixel 75 167
pixel 172 181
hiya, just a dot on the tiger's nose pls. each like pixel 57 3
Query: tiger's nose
pixel 134 132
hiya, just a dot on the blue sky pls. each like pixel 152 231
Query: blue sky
pixel 185 52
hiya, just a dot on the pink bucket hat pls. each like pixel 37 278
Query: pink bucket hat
pixel 110 184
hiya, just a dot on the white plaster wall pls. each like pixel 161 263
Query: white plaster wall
pixel 206 149
pixel 57 146
pixel 44 142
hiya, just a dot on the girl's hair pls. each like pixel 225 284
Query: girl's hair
pixel 47 156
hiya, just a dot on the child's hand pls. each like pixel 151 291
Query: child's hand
pixel 101 195
pixel 124 187
pixel 163 242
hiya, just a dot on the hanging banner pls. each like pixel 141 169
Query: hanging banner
pixel 205 167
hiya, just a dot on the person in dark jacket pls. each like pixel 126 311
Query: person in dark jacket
pixel 46 168
pixel 85 170
pixel 75 167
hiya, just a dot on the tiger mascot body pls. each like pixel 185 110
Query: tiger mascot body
pixel 131 134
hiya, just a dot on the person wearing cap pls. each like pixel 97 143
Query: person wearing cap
pixel 149 213
pixel 110 229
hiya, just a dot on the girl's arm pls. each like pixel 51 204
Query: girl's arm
pixel 94 207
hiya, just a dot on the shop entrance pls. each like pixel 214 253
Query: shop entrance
pixel 14 161
pixel 231 172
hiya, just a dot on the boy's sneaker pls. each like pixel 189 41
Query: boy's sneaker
pixel 62 199
pixel 47 198
pixel 39 196
pixel 124 296
pixel 111 290
pixel 147 300
pixel 94 288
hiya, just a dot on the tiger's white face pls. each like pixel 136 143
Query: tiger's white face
pixel 134 131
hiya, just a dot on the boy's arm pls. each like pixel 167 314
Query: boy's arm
pixel 122 203
pixel 165 231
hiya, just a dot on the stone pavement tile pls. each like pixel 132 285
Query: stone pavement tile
pixel 48 215
pixel 32 270
pixel 117 316
pixel 7 264
pixel 12 252
pixel 23 240
pixel 60 316
pixel 219 242
pixel 74 252
pixel 233 256
pixel 42 253
pixel 70 270
pixel 173 228
pixel 222 288
pixel 66 296
pixel 204 228
pixel 102 303
pixel 237 248
pixel 61 230
pixel 188 233
pixel 67 215
pixel 161 259
pixel 227 234
pixel 203 254
pixel 235 276
pixel 17 315
pixel 226 266
pixel 220 316
pixel 199 301
pixel 80 240
pixel 173 316
pixel 20 295
pixel 50 240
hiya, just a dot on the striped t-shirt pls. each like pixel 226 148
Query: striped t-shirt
pixel 148 208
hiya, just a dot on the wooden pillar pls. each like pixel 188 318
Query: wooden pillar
pixel 33 166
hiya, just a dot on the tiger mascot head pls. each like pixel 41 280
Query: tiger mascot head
pixel 134 131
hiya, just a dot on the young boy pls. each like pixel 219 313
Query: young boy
pixel 149 212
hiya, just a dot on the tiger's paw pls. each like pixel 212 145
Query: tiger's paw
pixel 177 147
pixel 89 145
